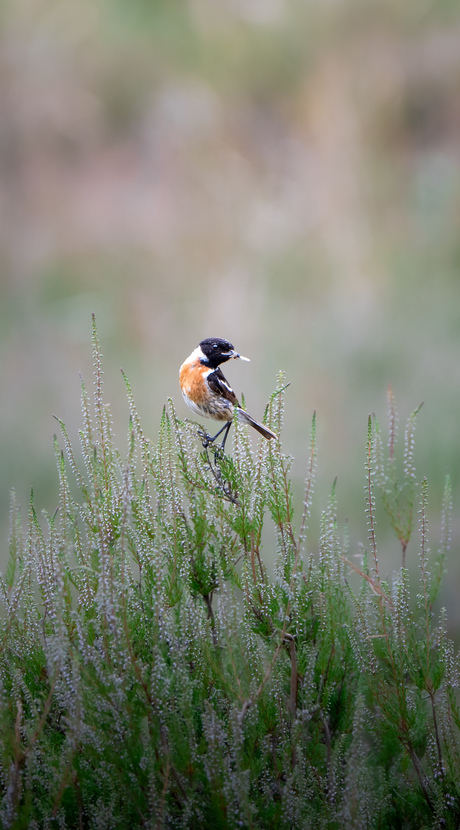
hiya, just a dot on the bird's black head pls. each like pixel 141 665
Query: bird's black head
pixel 217 351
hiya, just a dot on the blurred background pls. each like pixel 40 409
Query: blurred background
pixel 281 173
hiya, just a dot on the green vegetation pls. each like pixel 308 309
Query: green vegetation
pixel 155 674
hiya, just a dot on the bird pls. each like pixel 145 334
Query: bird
pixel 207 392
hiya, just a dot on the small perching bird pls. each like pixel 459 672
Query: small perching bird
pixel 206 391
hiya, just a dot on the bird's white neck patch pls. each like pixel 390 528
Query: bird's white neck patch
pixel 197 354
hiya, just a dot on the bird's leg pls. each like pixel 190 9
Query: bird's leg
pixel 226 430
pixel 207 440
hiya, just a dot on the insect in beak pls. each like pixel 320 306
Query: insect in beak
pixel 234 355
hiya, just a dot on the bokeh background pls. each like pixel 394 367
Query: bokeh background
pixel 282 173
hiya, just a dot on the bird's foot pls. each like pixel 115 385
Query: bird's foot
pixel 206 439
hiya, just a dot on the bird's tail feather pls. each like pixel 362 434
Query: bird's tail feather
pixel 265 431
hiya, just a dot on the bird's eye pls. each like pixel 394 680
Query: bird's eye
pixel 215 345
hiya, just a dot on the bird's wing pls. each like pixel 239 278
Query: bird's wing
pixel 220 386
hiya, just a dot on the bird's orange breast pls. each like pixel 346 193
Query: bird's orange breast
pixel 197 394
pixel 192 381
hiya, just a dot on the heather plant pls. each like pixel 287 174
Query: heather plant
pixel 155 672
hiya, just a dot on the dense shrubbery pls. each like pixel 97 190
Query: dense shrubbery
pixel 153 673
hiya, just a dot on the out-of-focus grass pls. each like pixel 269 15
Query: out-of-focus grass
pixel 279 173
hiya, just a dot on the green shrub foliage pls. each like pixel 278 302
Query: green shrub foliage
pixel 155 673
